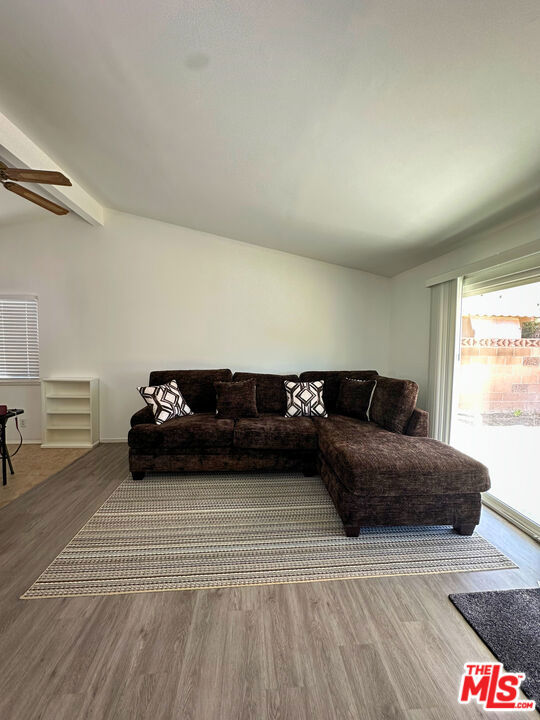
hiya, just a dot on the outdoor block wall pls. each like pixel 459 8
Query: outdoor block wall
pixel 500 375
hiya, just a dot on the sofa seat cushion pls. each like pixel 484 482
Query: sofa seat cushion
pixel 202 430
pixel 146 437
pixel 342 427
pixel 378 462
pixel 275 432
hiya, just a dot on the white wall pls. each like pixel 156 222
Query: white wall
pixel 27 397
pixel 410 309
pixel 118 301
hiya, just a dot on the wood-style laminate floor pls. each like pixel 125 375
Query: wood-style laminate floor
pixel 373 648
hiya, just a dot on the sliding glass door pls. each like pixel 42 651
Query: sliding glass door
pixel 496 413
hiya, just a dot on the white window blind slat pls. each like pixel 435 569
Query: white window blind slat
pixel 19 338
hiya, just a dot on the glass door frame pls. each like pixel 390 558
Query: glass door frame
pixel 524 523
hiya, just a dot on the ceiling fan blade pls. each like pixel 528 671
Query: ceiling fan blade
pixel 44 177
pixel 35 198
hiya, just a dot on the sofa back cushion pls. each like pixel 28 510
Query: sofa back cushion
pixel 393 403
pixel 197 386
pixel 332 381
pixel 271 396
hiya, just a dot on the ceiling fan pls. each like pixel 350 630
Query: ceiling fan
pixel 43 177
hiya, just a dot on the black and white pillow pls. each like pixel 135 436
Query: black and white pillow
pixel 305 399
pixel 166 401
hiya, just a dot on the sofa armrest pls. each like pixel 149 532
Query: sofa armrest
pixel 143 416
pixel 418 424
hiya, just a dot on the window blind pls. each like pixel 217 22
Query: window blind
pixel 19 338
pixel 443 349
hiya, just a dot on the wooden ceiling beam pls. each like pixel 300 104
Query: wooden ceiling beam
pixel 18 150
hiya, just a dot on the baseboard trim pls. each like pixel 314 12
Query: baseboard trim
pixel 513 516
pixel 24 442
pixel 39 442
pixel 64 446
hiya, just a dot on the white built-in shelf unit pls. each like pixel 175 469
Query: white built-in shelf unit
pixel 70 412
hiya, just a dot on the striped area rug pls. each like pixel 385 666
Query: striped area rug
pixel 170 532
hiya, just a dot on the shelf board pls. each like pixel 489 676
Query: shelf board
pixel 68 444
pixel 68 412
pixel 68 427
pixel 71 396
pixel 68 379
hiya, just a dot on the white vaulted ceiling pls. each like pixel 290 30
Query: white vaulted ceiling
pixel 13 209
pixel 366 133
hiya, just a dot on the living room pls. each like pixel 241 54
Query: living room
pixel 277 219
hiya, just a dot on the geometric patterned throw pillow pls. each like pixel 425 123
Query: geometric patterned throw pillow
pixel 305 399
pixel 166 401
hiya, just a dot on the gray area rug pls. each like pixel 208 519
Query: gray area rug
pixel 508 621
pixel 186 532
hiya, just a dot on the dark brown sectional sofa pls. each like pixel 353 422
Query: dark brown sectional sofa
pixel 375 476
